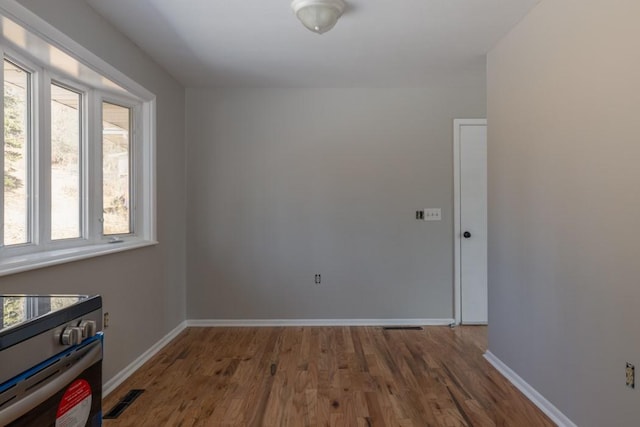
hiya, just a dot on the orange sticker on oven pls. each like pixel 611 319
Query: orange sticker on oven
pixel 75 406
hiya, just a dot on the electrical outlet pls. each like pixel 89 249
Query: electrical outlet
pixel 105 320
pixel 420 215
pixel 318 279
pixel 631 375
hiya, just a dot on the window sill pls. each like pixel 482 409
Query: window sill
pixel 21 263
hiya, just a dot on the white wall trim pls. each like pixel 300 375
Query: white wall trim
pixel 315 322
pixel 121 376
pixel 457 284
pixel 532 394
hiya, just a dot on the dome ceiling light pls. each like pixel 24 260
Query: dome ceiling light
pixel 318 16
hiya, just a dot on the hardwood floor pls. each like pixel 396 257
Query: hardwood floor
pixel 321 376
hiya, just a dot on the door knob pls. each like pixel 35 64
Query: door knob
pixel 466 234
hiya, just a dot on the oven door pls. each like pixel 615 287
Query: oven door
pixel 65 390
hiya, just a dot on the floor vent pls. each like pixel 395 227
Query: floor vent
pixel 123 404
pixel 402 328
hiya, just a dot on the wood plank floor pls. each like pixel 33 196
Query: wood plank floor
pixel 317 376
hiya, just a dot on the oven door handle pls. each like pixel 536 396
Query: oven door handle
pixel 40 395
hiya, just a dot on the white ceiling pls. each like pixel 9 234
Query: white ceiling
pixel 260 43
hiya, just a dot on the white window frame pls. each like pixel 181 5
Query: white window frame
pixel 33 173
pixel 85 166
pixel 42 251
pixel 135 155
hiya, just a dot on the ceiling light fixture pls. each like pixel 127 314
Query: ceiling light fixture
pixel 318 15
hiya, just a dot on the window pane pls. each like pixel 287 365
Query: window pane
pixel 65 163
pixel 16 154
pixel 116 191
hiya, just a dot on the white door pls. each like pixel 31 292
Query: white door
pixel 470 144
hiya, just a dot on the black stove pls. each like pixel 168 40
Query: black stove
pixel 51 360
pixel 24 316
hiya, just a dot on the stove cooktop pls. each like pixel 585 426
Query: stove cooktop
pixel 22 316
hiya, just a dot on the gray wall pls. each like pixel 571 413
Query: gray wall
pixel 144 289
pixel 286 183
pixel 564 205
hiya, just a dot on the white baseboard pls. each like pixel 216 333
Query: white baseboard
pixel 316 322
pixel 119 378
pixel 539 400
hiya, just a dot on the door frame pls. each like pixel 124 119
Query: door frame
pixel 457 231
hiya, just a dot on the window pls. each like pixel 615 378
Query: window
pixel 17 136
pixel 78 156
pixel 116 163
pixel 66 144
